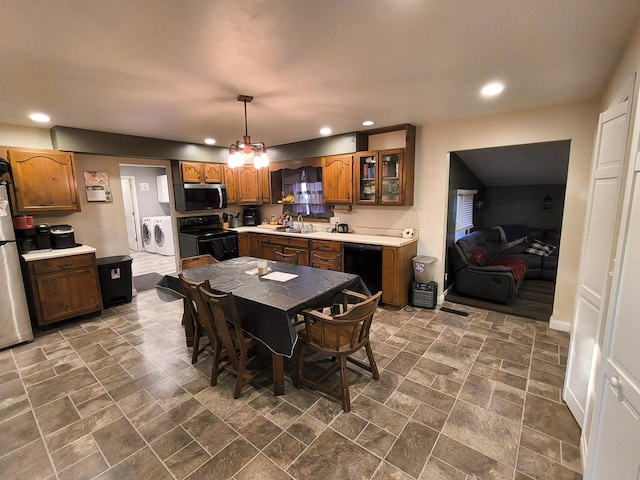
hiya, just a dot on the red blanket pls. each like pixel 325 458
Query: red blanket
pixel 517 265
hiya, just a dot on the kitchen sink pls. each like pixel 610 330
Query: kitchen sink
pixel 299 230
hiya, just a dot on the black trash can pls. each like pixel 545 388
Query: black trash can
pixel 115 279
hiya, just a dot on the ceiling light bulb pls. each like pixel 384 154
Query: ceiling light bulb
pixel 492 89
pixel 40 117
pixel 209 141
pixel 325 131
pixel 367 123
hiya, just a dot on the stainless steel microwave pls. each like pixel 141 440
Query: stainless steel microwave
pixel 193 196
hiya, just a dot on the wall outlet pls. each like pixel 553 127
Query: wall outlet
pixel 334 220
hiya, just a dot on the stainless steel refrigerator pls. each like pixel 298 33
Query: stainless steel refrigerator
pixel 15 324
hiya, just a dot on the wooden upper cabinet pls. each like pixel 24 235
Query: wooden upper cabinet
pixel 231 181
pixel 384 165
pixel 337 179
pixel 213 172
pixel 381 178
pixel 265 185
pixel 199 172
pixel 44 181
pixel 191 172
pixel 248 186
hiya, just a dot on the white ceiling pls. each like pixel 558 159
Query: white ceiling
pixel 173 69
pixel 532 164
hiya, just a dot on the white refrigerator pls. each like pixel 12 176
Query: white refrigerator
pixel 15 324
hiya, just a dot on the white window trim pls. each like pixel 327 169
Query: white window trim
pixel 464 211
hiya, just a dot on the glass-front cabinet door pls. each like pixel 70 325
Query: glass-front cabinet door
pixel 367 177
pixel 390 177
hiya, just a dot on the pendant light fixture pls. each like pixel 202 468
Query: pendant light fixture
pixel 245 151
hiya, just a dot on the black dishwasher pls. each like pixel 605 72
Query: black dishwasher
pixel 365 260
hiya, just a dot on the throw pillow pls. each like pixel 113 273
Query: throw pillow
pixel 478 257
pixel 539 248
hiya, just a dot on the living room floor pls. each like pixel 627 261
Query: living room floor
pixel 116 397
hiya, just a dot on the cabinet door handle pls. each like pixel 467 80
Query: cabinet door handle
pixel 65 265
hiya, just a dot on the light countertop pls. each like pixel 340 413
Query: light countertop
pixel 337 237
pixel 56 253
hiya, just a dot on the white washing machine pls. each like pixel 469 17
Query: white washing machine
pixel 163 235
pixel 148 238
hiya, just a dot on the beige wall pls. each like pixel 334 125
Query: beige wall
pixel 29 137
pixel 575 121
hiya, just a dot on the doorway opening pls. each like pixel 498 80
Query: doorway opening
pixel 517 189
pixel 150 235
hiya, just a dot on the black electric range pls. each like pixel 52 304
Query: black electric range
pixel 203 235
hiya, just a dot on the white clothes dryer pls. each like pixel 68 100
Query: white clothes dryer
pixel 148 239
pixel 163 235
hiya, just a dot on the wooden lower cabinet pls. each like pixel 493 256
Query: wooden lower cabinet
pixel 254 244
pixel 325 252
pixel 271 243
pixel 64 287
pixel 397 266
pixel 244 245
pixel 397 274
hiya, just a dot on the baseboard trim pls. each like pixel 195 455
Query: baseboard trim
pixel 561 325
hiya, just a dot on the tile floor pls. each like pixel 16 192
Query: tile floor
pixel 459 397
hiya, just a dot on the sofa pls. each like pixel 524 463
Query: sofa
pixel 491 264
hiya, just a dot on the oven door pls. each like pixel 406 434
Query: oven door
pixel 220 248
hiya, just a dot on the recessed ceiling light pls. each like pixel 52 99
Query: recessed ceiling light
pixel 367 123
pixel 40 117
pixel 325 131
pixel 209 141
pixel 492 89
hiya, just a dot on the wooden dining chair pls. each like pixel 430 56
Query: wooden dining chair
pixel 197 261
pixel 286 257
pixel 326 261
pixel 339 336
pixel 201 321
pixel 221 311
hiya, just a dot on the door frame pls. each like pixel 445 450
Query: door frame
pixel 134 197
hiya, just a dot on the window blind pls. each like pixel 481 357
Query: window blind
pixel 464 210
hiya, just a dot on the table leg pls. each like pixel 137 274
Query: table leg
pixel 278 374
pixel 187 321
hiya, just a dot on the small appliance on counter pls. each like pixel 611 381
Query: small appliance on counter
pixel 251 217
pixel 42 236
pixel 62 236
pixel 25 233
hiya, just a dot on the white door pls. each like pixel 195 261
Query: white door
pixel 128 194
pixel 594 281
pixel 615 443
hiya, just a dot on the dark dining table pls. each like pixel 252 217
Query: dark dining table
pixel 266 306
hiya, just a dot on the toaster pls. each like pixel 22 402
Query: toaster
pixel 62 236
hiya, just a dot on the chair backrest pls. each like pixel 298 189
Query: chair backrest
pixel 197 261
pixel 196 306
pixel 347 331
pixel 326 261
pixel 286 257
pixel 221 310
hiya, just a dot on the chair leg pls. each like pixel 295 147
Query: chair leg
pixel 344 384
pixel 196 342
pixel 240 377
pixel 216 363
pixel 372 362
pixel 297 382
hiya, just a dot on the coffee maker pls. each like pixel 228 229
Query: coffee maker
pixel 25 233
pixel 251 216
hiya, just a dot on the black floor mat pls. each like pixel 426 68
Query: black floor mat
pixel 146 281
